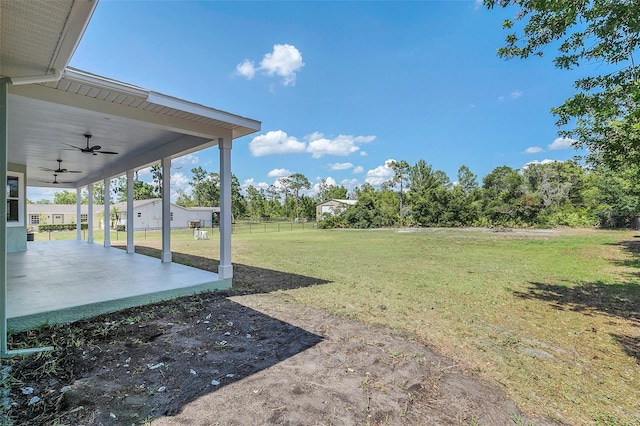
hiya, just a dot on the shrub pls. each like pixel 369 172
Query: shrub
pixel 61 227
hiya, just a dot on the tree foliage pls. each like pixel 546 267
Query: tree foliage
pixel 603 34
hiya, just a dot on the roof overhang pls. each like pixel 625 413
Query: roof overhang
pixel 38 37
pixel 51 106
pixel 142 126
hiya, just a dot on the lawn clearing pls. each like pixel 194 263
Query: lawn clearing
pixel 551 316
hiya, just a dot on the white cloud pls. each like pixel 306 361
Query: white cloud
pixel 516 94
pixel 340 166
pixel 185 160
pixel 341 145
pixel 561 143
pixel 278 142
pixel 363 154
pixel 179 181
pixel 477 4
pixel 500 98
pixel 284 61
pixel 545 161
pixel 380 174
pixel 252 182
pixel 533 150
pixel 279 173
pixel 246 69
pixel 358 169
pixel 275 142
pixel 350 183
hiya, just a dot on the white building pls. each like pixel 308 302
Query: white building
pixel 147 214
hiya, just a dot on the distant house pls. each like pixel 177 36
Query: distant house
pixel 147 214
pixel 54 214
pixel 333 207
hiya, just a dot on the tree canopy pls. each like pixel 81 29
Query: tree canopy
pixel 604 112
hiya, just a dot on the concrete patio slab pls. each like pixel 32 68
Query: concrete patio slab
pixel 64 281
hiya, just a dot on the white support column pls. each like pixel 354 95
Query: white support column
pixel 106 223
pixel 166 211
pixel 78 214
pixel 225 270
pixel 130 245
pixel 4 157
pixel 90 214
pixel 4 142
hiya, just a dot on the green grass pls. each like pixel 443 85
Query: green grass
pixel 550 317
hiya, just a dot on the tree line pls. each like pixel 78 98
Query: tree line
pixel 543 195
pixel 539 195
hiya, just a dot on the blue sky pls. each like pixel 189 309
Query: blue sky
pixel 340 87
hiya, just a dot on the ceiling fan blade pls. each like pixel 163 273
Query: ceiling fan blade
pixel 44 169
pixel 70 171
pixel 95 148
pixel 73 146
pixel 107 152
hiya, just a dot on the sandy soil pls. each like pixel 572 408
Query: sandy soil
pixel 245 360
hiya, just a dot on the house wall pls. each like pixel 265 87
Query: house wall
pixel 17 234
pixel 327 207
pixel 149 216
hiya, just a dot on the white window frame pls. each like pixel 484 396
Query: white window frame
pixel 34 219
pixel 20 198
pixel 84 217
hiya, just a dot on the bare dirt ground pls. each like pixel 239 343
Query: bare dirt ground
pixel 253 359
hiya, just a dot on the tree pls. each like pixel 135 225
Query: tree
pixel 183 199
pixel 606 109
pixel 327 192
pixel 400 172
pixel 64 197
pixel 156 173
pixel 206 187
pixel 296 183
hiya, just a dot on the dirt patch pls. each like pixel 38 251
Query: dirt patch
pixel 252 359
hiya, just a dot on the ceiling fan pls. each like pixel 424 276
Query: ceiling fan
pixel 59 169
pixel 95 149
pixel 55 180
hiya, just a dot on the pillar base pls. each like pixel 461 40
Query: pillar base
pixel 131 248
pixel 225 272
pixel 165 257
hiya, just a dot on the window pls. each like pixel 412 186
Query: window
pixel 34 219
pixel 15 199
pixel 139 214
pixel 84 217
pixel 170 216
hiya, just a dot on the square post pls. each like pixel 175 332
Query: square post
pixel 4 142
pixel 225 269
pixel 4 157
pixel 78 214
pixel 90 214
pixel 130 246
pixel 166 211
pixel 107 213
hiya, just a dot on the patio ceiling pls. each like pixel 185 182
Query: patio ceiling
pixel 37 39
pixel 141 126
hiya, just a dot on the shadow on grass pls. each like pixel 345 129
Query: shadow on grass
pixel 187 348
pixel 632 248
pixel 620 300
pixel 251 279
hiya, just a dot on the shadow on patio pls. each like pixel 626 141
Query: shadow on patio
pixel 245 278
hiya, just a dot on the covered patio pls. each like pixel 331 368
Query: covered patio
pixel 63 281
pixel 66 128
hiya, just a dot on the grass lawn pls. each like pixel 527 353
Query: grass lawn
pixel 552 316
